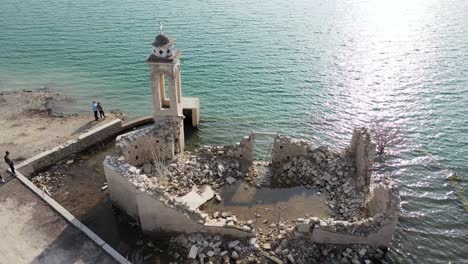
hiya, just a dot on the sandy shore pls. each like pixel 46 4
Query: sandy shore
pixel 30 122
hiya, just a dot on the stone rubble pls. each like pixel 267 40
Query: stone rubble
pixel 216 249
pixel 329 172
pixel 189 169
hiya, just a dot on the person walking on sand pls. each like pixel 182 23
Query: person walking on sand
pixel 95 110
pixel 101 110
pixel 10 163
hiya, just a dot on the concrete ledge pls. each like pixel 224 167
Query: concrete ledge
pixel 72 220
pixel 192 104
pixel 138 122
pixel 85 140
pixel 380 239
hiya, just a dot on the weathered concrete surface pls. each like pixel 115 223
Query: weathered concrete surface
pixel 363 151
pixel 85 140
pixel 192 104
pixel 32 232
pixel 194 200
pixel 122 191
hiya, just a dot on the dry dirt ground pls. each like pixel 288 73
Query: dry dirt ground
pixel 30 230
pixel 30 123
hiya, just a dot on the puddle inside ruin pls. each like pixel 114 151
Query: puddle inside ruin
pixel 248 202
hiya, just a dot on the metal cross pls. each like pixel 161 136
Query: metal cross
pixel 160 28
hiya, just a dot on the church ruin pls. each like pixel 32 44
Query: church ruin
pixel 166 189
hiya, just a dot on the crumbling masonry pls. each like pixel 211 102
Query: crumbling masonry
pixel 154 180
pixel 169 200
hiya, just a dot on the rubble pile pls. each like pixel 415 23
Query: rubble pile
pixel 231 220
pixel 209 249
pixel 52 180
pixel 187 170
pixel 332 174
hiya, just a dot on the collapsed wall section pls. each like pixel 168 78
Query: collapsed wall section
pixel 242 151
pixel 287 148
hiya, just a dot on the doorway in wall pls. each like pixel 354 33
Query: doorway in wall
pixel 263 145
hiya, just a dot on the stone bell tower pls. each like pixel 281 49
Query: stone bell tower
pixel 165 83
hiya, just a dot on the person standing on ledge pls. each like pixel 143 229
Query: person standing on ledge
pixel 10 163
pixel 101 110
pixel 95 110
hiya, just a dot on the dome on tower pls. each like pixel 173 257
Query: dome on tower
pixel 161 41
pixel 163 48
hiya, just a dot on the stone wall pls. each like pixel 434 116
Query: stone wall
pixel 120 188
pixel 286 148
pixel 242 151
pixel 84 141
pixel 376 230
pixel 155 216
pixel 157 211
pixel 378 199
pixel 362 150
pixel 160 139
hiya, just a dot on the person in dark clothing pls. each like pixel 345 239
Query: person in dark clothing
pixel 10 162
pixel 95 110
pixel 101 110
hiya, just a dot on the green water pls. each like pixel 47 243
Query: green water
pixel 309 68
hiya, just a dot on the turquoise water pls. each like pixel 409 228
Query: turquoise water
pixel 313 69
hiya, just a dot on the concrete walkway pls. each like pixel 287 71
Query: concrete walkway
pixel 33 232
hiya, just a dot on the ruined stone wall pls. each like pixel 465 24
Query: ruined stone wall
pixel 155 216
pixel 121 190
pixel 376 230
pixel 363 152
pixel 242 151
pixel 142 198
pixel 286 148
pixel 84 141
pixel 378 199
pixel 142 145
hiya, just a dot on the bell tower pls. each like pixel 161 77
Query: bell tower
pixel 165 82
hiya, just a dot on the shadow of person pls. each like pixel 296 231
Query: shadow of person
pixel 84 127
